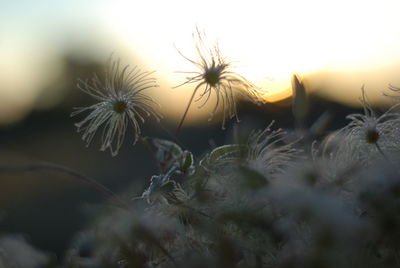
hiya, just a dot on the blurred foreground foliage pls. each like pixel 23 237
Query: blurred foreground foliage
pixel 275 199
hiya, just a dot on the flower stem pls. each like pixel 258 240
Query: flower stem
pixel 178 130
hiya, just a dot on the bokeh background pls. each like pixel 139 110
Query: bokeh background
pixel 336 47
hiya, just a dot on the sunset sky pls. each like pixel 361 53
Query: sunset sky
pixel 348 43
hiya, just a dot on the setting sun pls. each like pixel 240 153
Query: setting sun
pixel 268 40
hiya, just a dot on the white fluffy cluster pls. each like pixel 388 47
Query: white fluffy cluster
pixel 269 203
pixel 15 252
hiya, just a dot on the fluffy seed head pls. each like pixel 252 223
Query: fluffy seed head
pixel 120 101
pixel 215 74
pixel 268 152
pixel 368 136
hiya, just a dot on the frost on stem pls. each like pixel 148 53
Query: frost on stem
pixel 215 74
pixel 120 101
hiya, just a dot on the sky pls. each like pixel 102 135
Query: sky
pixel 348 43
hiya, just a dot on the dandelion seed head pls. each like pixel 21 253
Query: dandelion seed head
pixel 121 102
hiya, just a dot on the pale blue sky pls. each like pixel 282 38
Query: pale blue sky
pixel 46 21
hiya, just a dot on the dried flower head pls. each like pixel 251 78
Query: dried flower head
pixel 121 100
pixel 367 135
pixel 215 74
pixel 267 151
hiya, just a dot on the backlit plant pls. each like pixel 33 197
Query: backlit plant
pixel 269 200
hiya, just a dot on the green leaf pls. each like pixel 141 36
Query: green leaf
pixel 187 161
pixel 225 152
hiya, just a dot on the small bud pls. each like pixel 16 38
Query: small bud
pixel 300 101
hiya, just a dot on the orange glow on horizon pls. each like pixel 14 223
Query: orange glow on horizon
pixel 267 41
pixel 271 41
